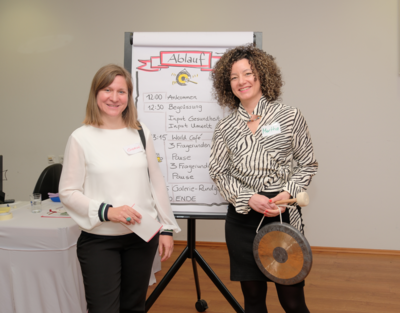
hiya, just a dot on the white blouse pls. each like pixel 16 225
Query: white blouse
pixel 97 169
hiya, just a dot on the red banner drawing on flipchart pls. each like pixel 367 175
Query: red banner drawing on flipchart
pixel 166 59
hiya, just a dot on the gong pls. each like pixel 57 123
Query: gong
pixel 282 253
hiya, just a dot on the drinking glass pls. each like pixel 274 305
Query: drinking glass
pixel 36 203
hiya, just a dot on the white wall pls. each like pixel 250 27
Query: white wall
pixel 339 59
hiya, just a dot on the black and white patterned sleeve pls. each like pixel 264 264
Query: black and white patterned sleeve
pixel 219 168
pixel 303 154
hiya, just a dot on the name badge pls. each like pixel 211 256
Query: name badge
pixel 132 149
pixel 270 130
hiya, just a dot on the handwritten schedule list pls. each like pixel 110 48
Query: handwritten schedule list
pixel 183 141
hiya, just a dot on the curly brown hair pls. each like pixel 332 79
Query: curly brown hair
pixel 263 66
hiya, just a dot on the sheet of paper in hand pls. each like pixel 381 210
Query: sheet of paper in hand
pixel 148 227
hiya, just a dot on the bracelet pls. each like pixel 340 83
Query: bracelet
pixel 103 212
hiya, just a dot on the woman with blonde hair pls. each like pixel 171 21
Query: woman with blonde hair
pixel 108 172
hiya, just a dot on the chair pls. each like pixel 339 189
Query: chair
pixel 48 181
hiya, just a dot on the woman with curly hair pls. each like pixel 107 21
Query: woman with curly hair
pixel 251 163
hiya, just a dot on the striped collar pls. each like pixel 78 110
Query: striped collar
pixel 258 110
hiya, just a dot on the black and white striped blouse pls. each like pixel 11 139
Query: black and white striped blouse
pixel 242 164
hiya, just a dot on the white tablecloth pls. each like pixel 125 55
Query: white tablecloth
pixel 39 269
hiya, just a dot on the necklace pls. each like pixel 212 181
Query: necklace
pixel 256 117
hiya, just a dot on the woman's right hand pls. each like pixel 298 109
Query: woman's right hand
pixel 121 213
pixel 260 203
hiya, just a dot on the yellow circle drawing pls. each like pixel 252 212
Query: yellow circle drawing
pixel 183 78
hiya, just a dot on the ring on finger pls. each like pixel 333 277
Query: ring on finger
pixel 128 219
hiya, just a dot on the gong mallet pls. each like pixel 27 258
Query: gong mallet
pixel 302 199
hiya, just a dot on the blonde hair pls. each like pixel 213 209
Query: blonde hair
pixel 104 78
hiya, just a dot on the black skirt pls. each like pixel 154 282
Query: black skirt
pixel 240 230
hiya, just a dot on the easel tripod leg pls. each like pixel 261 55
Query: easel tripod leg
pixel 196 278
pixel 217 282
pixel 201 305
pixel 166 279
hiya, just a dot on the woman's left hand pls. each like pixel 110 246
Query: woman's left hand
pixel 284 195
pixel 165 246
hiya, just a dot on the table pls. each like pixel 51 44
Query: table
pixel 39 269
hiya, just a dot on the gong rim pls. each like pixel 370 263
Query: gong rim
pixel 280 255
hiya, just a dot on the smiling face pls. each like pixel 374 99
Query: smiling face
pixel 244 83
pixel 113 99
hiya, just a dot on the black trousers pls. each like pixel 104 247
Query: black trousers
pixel 116 271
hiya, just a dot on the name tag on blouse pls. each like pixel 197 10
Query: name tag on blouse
pixel 133 149
pixel 270 130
